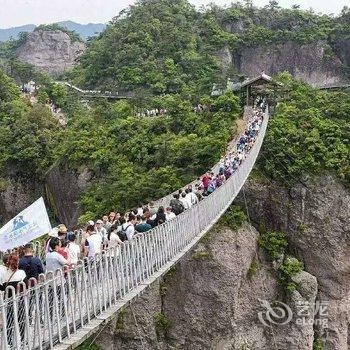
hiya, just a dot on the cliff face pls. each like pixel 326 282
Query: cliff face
pixel 316 217
pixel 63 188
pixel 308 62
pixel 50 51
pixel 213 297
pixel 315 63
pixel 16 194
pixel 211 300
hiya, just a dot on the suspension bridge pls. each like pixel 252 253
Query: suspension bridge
pixel 334 87
pixel 91 94
pixel 63 309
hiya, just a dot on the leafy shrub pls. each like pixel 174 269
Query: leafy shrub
pixel 253 269
pixel 234 217
pixel 289 268
pixel 274 244
pixel 308 134
pixel 318 344
pixel 88 345
pixel 162 324
pixel 202 255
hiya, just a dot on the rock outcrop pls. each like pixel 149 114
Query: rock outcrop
pixel 316 217
pixel 212 300
pixel 315 63
pixel 63 189
pixel 16 193
pixel 52 51
pixel 309 62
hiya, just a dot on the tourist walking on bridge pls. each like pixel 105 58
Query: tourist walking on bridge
pixel 93 243
pixel 176 205
pixel 31 264
pixel 128 229
pixel 13 277
pixel 54 260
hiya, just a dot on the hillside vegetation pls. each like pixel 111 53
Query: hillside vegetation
pixel 166 46
pixel 166 52
pixel 308 135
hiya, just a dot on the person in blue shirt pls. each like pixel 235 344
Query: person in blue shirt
pixel 31 264
pixel 143 226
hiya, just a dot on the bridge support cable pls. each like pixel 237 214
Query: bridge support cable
pixel 65 308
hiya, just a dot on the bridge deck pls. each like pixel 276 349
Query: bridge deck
pixel 334 87
pixel 88 94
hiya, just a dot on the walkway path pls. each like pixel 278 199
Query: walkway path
pixel 88 94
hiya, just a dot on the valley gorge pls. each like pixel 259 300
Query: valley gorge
pixel 281 250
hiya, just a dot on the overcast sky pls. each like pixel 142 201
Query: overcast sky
pixel 19 12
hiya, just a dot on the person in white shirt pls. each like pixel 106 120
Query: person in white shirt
pixel 191 196
pixel 93 245
pixel 73 249
pixel 54 260
pixel 99 229
pixel 169 215
pixel 3 269
pixel 128 228
pixel 140 210
pixel 113 238
pixel 184 200
pixel 188 198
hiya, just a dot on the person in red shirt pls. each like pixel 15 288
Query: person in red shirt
pixel 205 181
pixel 63 249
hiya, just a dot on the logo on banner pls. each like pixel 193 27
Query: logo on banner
pixel 20 228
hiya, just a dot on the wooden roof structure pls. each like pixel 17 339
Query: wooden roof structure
pixel 261 79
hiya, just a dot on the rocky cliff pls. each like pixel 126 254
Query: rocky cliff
pixel 316 217
pixel 308 62
pixel 63 189
pixel 52 51
pixel 16 193
pixel 315 63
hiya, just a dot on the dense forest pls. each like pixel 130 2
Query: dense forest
pixel 166 53
pixel 166 46
pixel 308 135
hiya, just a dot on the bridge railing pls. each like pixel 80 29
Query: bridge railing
pixel 54 309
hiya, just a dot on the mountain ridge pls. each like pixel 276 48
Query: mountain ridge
pixel 84 30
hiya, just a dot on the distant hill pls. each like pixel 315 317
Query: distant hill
pixel 6 34
pixel 84 30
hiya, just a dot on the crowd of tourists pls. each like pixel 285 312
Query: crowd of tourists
pixel 63 249
pixel 155 112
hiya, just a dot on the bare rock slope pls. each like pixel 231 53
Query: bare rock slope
pixel 316 217
pixel 309 62
pixel 315 63
pixel 52 51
